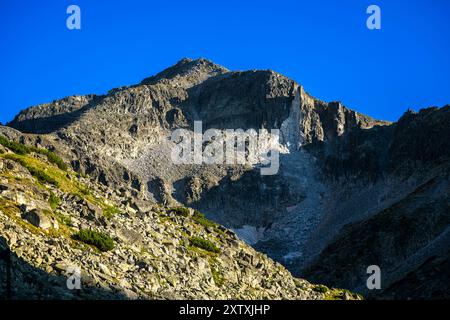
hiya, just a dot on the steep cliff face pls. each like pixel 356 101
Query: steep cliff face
pixel 400 176
pixel 338 168
pixel 403 239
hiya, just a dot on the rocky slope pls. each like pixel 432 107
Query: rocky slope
pixel 154 256
pixel 343 175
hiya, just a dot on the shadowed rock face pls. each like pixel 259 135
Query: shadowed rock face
pixel 341 182
pixel 404 226
pixel 50 117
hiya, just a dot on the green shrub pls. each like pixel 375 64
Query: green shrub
pixel 109 211
pixel 218 277
pixel 180 211
pixel 15 147
pixel 204 244
pixel 320 288
pixel 200 219
pixel 41 176
pixel 102 241
pixel 84 190
pixel 54 201
pixel 53 158
pixel 1 151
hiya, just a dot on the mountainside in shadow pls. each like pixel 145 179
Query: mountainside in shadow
pixel 351 191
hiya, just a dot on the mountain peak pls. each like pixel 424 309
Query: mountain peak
pixel 189 70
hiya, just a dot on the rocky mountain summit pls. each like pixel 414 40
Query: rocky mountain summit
pixel 345 180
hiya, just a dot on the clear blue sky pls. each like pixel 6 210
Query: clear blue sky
pixel 322 44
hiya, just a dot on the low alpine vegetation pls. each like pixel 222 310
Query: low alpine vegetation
pixel 35 172
pixel 99 240
pixel 320 288
pixel 15 147
pixel 201 220
pixel 53 158
pixel 54 201
pixel 42 176
pixel 21 149
pixel 110 211
pixel 204 244
pixel 218 277
pixel 181 211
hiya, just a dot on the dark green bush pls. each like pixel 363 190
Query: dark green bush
pixel 22 149
pixel 204 244
pixel 200 219
pixel 181 211
pixel 102 241
pixel 320 288
pixel 53 158
pixel 15 147
pixel 41 176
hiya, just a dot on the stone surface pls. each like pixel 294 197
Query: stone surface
pixel 38 219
